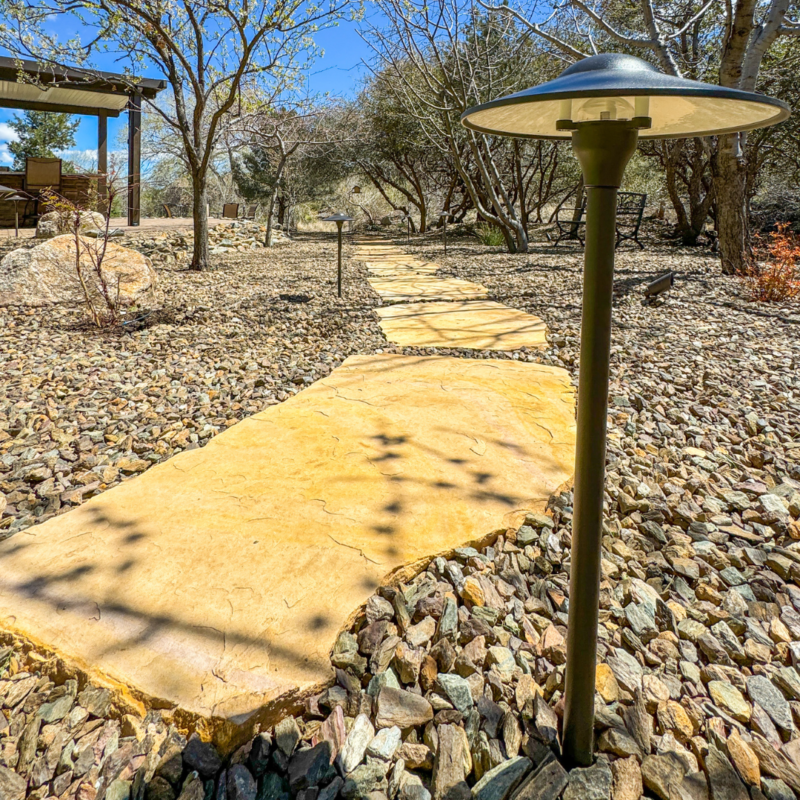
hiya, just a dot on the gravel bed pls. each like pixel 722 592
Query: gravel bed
pixel 451 686
pixel 81 410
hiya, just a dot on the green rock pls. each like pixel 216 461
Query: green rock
pixel 118 790
pixel 498 783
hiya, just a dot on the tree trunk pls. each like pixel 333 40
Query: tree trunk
pixel 200 216
pixel 576 214
pixel 270 211
pixel 732 224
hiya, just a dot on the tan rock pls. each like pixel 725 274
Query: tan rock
pixel 627 779
pixel 554 648
pixel 56 223
pixel 605 683
pixel 678 611
pixel 730 700
pixel 247 557
pixel 744 759
pixel 401 708
pixel 46 274
pixel 673 717
pixel 655 692
pixel 472 592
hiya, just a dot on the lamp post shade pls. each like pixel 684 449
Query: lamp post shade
pixel 614 86
pixel 337 218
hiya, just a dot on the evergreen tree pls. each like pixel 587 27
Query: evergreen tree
pixel 41 134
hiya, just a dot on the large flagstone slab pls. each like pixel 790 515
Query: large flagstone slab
pixel 219 580
pixel 384 269
pixel 478 325
pixel 400 288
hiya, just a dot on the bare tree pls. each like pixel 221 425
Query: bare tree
pixel 207 49
pixel 439 58
pixel 298 125
pixel 726 42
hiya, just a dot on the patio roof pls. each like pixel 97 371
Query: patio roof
pixel 30 86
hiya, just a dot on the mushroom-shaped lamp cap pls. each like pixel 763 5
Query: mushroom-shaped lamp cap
pixel 616 86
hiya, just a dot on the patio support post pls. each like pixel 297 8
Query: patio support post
pixel 102 157
pixel 134 159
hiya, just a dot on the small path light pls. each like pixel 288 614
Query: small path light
pixel 443 217
pixel 15 198
pixel 339 219
pixel 604 104
pixel 662 283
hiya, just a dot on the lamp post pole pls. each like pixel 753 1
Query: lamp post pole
pixel 339 224
pixel 603 149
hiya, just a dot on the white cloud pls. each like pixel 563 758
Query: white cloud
pixel 7 133
pixel 84 155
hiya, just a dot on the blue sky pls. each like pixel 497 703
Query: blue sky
pixel 337 72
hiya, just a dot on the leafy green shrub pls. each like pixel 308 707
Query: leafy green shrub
pixel 490 235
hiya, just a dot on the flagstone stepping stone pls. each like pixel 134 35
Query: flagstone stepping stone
pixel 410 287
pixel 383 269
pixel 479 325
pixel 219 580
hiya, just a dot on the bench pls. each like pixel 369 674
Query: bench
pixel 570 222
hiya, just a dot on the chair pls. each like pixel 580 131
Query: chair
pixel 42 173
pixel 630 210
pixel 250 211
pixel 568 222
pixel 230 211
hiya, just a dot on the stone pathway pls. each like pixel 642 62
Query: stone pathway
pixel 479 325
pixel 219 580
pixel 473 323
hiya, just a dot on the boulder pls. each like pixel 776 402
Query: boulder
pixel 55 223
pixel 46 274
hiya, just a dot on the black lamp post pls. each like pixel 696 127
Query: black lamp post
pixel 15 198
pixel 339 219
pixel 604 104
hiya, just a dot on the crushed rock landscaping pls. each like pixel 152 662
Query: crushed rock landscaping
pixel 450 685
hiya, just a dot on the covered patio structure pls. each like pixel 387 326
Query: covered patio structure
pixel 26 85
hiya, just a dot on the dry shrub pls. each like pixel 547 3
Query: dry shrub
pixel 775 276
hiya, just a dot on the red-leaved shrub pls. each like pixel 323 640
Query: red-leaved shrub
pixel 775 276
